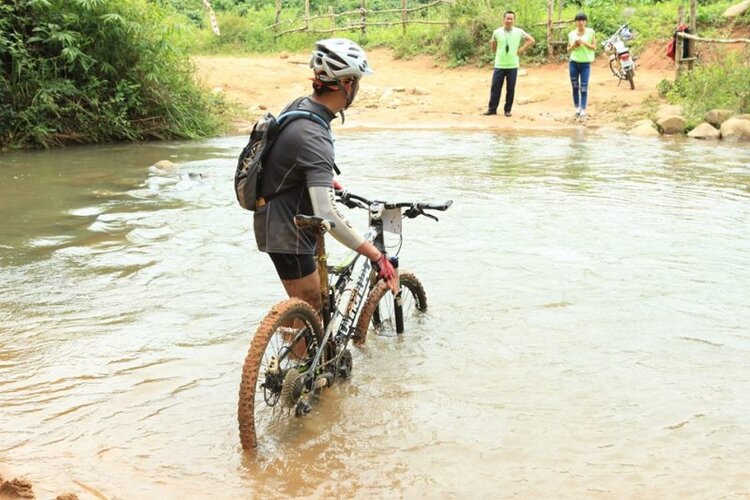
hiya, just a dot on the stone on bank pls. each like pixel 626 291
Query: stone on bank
pixel 705 131
pixel 736 129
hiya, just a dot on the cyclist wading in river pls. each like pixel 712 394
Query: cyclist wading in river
pixel 298 176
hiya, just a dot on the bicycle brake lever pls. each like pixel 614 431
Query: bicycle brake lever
pixel 430 216
pixel 344 198
pixel 412 212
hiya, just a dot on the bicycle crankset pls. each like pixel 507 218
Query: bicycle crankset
pixel 344 365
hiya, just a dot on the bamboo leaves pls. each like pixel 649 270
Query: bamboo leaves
pixel 95 70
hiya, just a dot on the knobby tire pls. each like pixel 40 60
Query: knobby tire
pixel 412 293
pixel 252 398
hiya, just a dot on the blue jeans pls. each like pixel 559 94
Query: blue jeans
pixel 498 77
pixel 579 78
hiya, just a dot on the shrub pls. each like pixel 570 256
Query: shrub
pixel 460 45
pixel 719 86
pixel 93 71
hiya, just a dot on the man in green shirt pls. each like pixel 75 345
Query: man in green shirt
pixel 506 41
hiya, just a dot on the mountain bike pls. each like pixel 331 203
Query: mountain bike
pixel 297 351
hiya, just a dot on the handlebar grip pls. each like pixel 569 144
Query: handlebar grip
pixel 436 205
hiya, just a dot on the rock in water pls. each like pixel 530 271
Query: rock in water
pixel 705 131
pixel 674 124
pixel 736 129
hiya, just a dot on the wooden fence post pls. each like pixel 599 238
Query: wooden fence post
pixel 680 41
pixel 403 16
pixel 307 14
pixel 212 17
pixel 363 12
pixel 693 27
pixel 276 19
pixel 333 19
pixel 550 45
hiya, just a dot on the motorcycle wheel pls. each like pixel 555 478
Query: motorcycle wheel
pixel 616 68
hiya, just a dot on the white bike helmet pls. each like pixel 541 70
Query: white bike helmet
pixel 337 58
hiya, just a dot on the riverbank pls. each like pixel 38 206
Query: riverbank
pixel 422 94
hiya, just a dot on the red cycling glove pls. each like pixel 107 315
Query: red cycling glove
pixel 384 267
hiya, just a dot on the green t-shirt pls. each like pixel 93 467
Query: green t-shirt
pixel 581 53
pixel 507 59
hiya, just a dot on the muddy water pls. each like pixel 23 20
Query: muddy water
pixel 587 336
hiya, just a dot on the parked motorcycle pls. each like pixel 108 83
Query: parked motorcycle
pixel 621 61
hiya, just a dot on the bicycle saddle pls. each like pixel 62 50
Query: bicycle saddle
pixel 312 221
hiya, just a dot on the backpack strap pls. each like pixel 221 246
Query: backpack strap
pixel 285 119
pixel 290 116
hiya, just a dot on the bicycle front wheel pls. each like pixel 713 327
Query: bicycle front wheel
pixel 381 313
pixel 616 68
pixel 276 379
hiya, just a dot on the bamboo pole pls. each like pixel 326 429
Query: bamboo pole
pixel 363 12
pixel 403 16
pixel 385 11
pixel 550 46
pixel 307 14
pixel 358 26
pixel 678 48
pixel 278 15
pixel 559 10
pixel 557 24
pixel 212 17
pixel 693 27
pixel 712 40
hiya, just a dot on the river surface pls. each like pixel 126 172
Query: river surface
pixel 588 332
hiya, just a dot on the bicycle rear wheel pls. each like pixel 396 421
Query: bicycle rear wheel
pixel 275 376
pixel 380 314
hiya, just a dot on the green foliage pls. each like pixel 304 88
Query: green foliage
pixel 245 23
pixel 460 45
pixel 93 71
pixel 723 85
pixel 664 87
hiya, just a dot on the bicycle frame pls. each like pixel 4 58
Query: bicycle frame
pixel 331 294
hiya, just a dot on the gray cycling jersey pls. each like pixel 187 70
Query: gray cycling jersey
pixel 301 157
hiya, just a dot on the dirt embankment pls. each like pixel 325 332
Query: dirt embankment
pixel 421 94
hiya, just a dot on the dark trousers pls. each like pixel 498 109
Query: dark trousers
pixel 579 79
pixel 498 78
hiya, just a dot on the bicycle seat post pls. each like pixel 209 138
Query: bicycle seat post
pixel 322 263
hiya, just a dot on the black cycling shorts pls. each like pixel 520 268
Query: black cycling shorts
pixel 291 266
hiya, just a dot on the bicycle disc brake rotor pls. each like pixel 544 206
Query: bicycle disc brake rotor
pixel 273 383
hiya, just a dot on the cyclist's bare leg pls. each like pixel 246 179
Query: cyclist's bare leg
pixel 306 288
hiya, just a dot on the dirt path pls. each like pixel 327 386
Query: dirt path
pixel 419 93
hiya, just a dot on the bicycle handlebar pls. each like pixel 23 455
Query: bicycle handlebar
pixel 414 209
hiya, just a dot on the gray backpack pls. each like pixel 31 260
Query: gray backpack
pixel 249 170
